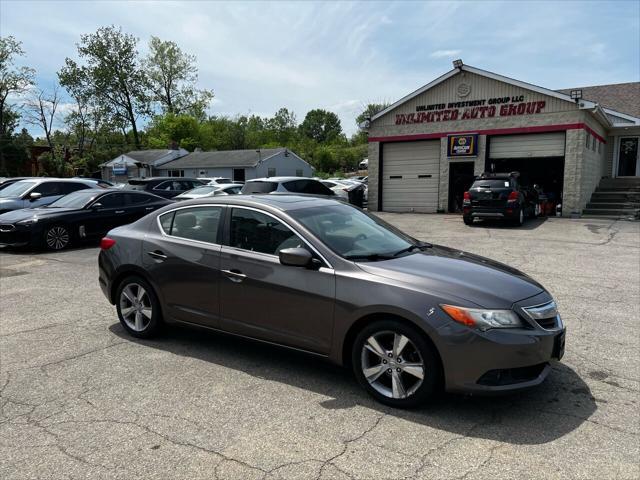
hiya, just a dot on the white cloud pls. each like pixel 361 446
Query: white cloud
pixel 445 53
pixel 258 56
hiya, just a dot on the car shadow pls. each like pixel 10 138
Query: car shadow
pixel 529 224
pixel 540 415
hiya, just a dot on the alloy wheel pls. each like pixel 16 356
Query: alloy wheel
pixel 57 237
pixel 392 364
pixel 135 307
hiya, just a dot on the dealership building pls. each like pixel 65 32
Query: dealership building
pixel 426 148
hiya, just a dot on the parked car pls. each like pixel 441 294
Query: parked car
pixel 499 196
pixel 348 190
pixel 38 192
pixel 309 186
pixel 319 275
pixel 210 191
pixel 364 164
pixel 215 180
pixel 80 216
pixel 6 181
pixel 167 187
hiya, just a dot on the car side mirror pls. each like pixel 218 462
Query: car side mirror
pixel 35 196
pixel 295 257
pixel 96 206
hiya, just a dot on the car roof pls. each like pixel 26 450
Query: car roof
pixel 279 179
pixel 156 179
pixel 54 179
pixel 285 202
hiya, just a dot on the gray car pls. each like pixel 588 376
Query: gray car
pixel 38 192
pixel 318 275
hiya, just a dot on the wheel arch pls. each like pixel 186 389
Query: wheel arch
pixel 359 324
pixel 128 271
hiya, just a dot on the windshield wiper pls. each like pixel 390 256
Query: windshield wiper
pixel 410 248
pixel 372 257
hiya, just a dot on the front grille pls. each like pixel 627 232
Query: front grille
pixel 7 227
pixel 546 315
pixel 548 323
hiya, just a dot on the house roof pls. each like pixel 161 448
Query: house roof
pixel 224 158
pixel 149 157
pixel 621 97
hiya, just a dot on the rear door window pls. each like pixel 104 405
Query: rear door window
pixel 197 223
pixel 68 187
pixel 312 187
pixel 135 199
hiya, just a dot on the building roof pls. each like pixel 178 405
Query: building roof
pixel 224 158
pixel 621 97
pixel 150 157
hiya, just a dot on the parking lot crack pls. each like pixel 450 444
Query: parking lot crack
pixel 345 446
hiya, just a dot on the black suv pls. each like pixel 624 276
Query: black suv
pixel 166 187
pixel 499 196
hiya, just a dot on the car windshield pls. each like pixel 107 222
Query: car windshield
pixel 201 190
pixel 17 189
pixel 222 180
pixel 353 234
pixel 78 199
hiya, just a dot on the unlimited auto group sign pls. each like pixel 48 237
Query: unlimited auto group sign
pixel 471 110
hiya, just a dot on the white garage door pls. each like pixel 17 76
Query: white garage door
pixel 523 146
pixel 410 176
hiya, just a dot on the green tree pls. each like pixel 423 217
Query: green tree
pixel 172 78
pixel 282 126
pixel 169 128
pixel 14 80
pixel 370 110
pixel 113 74
pixel 41 112
pixel 321 126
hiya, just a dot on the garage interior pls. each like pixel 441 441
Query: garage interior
pixel 538 157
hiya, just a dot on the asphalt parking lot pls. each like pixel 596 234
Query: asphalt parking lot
pixel 81 399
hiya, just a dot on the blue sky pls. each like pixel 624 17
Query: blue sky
pixel 258 56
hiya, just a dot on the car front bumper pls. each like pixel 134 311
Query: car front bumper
pixel 16 235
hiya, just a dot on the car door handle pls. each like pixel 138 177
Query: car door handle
pixel 149 208
pixel 119 211
pixel 234 275
pixel 158 255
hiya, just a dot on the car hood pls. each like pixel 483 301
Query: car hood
pixel 10 202
pixel 445 271
pixel 26 213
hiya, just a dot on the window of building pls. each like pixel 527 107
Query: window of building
pixel 175 173
pixel 588 142
pixel 257 232
pixel 271 172
pixel 593 143
pixel 599 146
pixel 299 173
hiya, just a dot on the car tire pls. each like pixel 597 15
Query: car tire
pixel 467 220
pixel 56 237
pixel 519 221
pixel 138 308
pixel 391 378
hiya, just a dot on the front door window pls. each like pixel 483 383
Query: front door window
pixel 628 157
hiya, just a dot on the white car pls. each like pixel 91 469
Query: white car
pixel 364 164
pixel 215 180
pixel 210 191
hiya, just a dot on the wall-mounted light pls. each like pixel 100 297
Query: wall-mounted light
pixel 576 95
pixel 457 63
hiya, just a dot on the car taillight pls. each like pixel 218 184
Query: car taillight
pixel 106 243
pixel 513 197
pixel 466 196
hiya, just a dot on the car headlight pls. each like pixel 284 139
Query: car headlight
pixel 28 221
pixel 483 319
